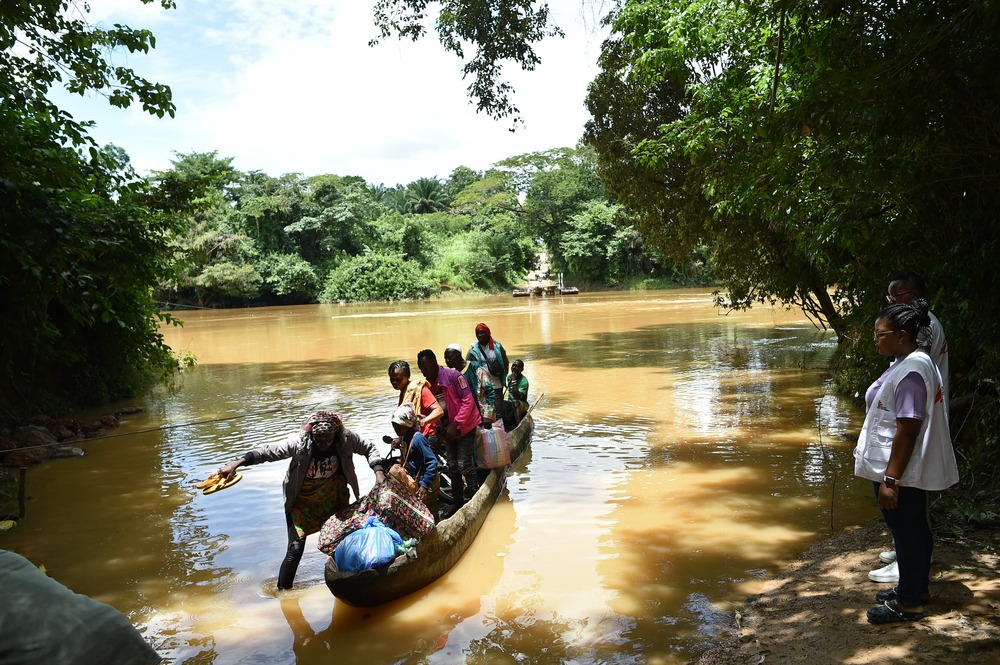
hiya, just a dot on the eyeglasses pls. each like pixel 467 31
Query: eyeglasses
pixel 893 297
pixel 880 333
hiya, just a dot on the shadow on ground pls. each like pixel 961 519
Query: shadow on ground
pixel 815 612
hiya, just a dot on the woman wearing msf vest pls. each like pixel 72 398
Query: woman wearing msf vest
pixel 905 450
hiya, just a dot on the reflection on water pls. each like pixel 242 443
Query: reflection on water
pixel 679 455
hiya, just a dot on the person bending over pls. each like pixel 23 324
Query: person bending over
pixel 318 481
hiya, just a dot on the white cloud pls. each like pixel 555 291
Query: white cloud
pixel 285 87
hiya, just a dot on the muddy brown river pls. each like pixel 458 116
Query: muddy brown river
pixel 680 455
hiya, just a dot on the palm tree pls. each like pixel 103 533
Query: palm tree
pixel 425 195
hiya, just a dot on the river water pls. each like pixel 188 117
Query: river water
pixel 680 455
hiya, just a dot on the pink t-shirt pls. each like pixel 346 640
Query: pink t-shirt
pixel 461 402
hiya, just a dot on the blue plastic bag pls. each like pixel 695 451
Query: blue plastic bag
pixel 372 546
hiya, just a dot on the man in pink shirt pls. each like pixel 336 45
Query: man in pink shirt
pixel 463 418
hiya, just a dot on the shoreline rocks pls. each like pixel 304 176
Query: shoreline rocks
pixel 44 437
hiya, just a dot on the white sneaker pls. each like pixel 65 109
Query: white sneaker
pixel 887 557
pixel 889 573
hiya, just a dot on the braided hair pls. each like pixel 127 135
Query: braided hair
pixel 399 365
pixel 911 317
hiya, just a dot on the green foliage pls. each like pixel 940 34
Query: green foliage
pixel 818 149
pixel 80 321
pixel 289 277
pixel 409 236
pixel 599 247
pixel 252 239
pixel 185 359
pixel 492 195
pixel 375 277
pixel 43 44
pixel 500 31
pixel 814 179
pixel 486 259
pixel 236 283
pixel 460 178
pixel 425 195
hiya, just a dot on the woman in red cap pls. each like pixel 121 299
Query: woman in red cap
pixel 491 355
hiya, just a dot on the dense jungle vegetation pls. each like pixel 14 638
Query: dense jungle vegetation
pixel 803 151
pixel 252 239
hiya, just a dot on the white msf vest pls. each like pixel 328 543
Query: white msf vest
pixel 932 465
pixel 939 354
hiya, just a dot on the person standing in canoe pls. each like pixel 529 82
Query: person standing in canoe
pixel 491 355
pixel 479 382
pixel 463 418
pixel 319 478
pixel 517 389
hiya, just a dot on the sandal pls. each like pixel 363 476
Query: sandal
pixel 890 594
pixel 889 612
pixel 222 484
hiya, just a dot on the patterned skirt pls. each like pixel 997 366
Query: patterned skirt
pixel 317 500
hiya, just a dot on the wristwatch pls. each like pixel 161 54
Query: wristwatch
pixel 889 481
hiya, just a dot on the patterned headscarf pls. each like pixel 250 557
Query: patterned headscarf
pixel 405 415
pixel 483 326
pixel 323 417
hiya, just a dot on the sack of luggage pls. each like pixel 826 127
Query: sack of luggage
pixel 491 449
pixel 372 546
pixel 405 480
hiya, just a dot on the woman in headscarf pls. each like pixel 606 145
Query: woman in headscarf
pixel 419 460
pixel 319 477
pixel 905 451
pixel 491 354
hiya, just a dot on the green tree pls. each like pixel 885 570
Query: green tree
pixel 425 195
pixel 266 206
pixel 338 220
pixel 373 276
pixel 80 321
pixel 198 189
pixel 487 197
pixel 500 31
pixel 408 236
pixel 460 178
pixel 556 184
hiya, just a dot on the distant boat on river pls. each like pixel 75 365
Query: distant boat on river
pixel 545 288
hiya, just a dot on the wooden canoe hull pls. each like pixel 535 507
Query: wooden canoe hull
pixel 436 552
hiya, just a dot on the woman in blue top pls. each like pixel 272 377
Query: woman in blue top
pixel 419 459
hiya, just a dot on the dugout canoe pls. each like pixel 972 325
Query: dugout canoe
pixel 436 552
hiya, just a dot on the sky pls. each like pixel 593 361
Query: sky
pixel 287 86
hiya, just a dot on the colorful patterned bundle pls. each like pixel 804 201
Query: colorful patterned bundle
pixel 400 510
pixel 343 523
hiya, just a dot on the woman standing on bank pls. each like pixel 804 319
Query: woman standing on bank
pixel 905 450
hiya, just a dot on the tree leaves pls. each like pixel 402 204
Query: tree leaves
pixel 500 31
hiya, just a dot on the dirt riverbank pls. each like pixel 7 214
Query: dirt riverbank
pixel 814 610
